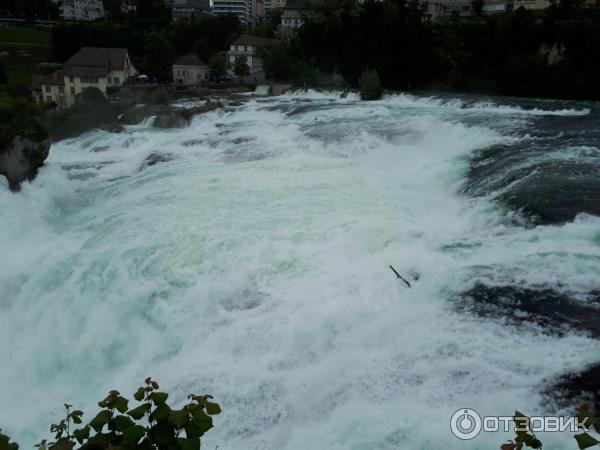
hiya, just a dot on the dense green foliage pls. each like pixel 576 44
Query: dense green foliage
pixel 525 437
pixel 90 111
pixel 5 443
pixel 508 54
pixel 3 77
pixel 217 66
pixel 370 86
pixel 18 117
pixel 30 9
pixel 151 425
pixel 240 67
pixel 22 50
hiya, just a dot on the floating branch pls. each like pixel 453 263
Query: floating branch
pixel 400 276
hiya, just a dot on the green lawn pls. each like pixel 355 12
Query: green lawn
pixel 25 35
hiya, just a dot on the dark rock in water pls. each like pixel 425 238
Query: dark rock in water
pixel 572 389
pixel 114 127
pixel 166 116
pixel 155 158
pixel 241 140
pixel 21 159
pixel 556 312
pixel 170 120
pixel 100 149
pixel 191 142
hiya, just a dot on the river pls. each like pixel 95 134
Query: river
pixel 247 256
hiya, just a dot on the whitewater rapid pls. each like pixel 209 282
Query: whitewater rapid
pixel 247 255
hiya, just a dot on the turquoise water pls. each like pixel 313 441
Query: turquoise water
pixel 251 262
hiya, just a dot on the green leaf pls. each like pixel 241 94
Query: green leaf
pixel 162 434
pixel 201 423
pixel 584 440
pixel 62 444
pixel 132 436
pixel 179 418
pixel 158 398
pixel 100 440
pixel 189 443
pixel 140 411
pixel 192 407
pixel 121 423
pixel 146 444
pixel 75 416
pixel 121 404
pixel 5 443
pixel 82 434
pixel 160 413
pixel 213 408
pixel 100 420
pixel 139 394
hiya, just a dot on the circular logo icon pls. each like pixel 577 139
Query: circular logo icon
pixel 465 424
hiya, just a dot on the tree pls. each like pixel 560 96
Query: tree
pixel 477 6
pixel 217 66
pixel 159 56
pixel 370 86
pixel 240 67
pixel 3 77
pixel 278 62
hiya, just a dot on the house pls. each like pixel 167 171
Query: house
pixel 497 6
pixel 291 18
pixel 532 4
pixel 433 10
pixel 190 69
pixel 101 68
pixel 274 4
pixel 189 9
pixel 81 10
pixel 247 47
pixel 128 6
pixel 51 89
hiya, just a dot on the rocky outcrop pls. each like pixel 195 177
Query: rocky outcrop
pixel 165 116
pixel 21 159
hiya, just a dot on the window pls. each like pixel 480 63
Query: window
pixel 49 99
pixel 71 79
pixel 72 90
pixel 47 88
pixel 116 80
pixel 61 89
pixel 245 48
pixel 109 80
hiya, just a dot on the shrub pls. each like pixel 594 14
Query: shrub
pixel 18 118
pixel 370 86
pixel 150 425
pixel 5 443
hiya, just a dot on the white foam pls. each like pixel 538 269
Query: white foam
pixel 253 266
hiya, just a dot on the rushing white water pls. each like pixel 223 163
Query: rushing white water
pixel 251 262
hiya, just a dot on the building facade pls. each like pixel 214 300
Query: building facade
pixel 532 4
pixel 274 4
pixel 189 9
pixel 128 6
pixel 241 8
pixel 81 10
pixel 247 47
pixel 190 70
pixel 291 18
pixel 101 68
